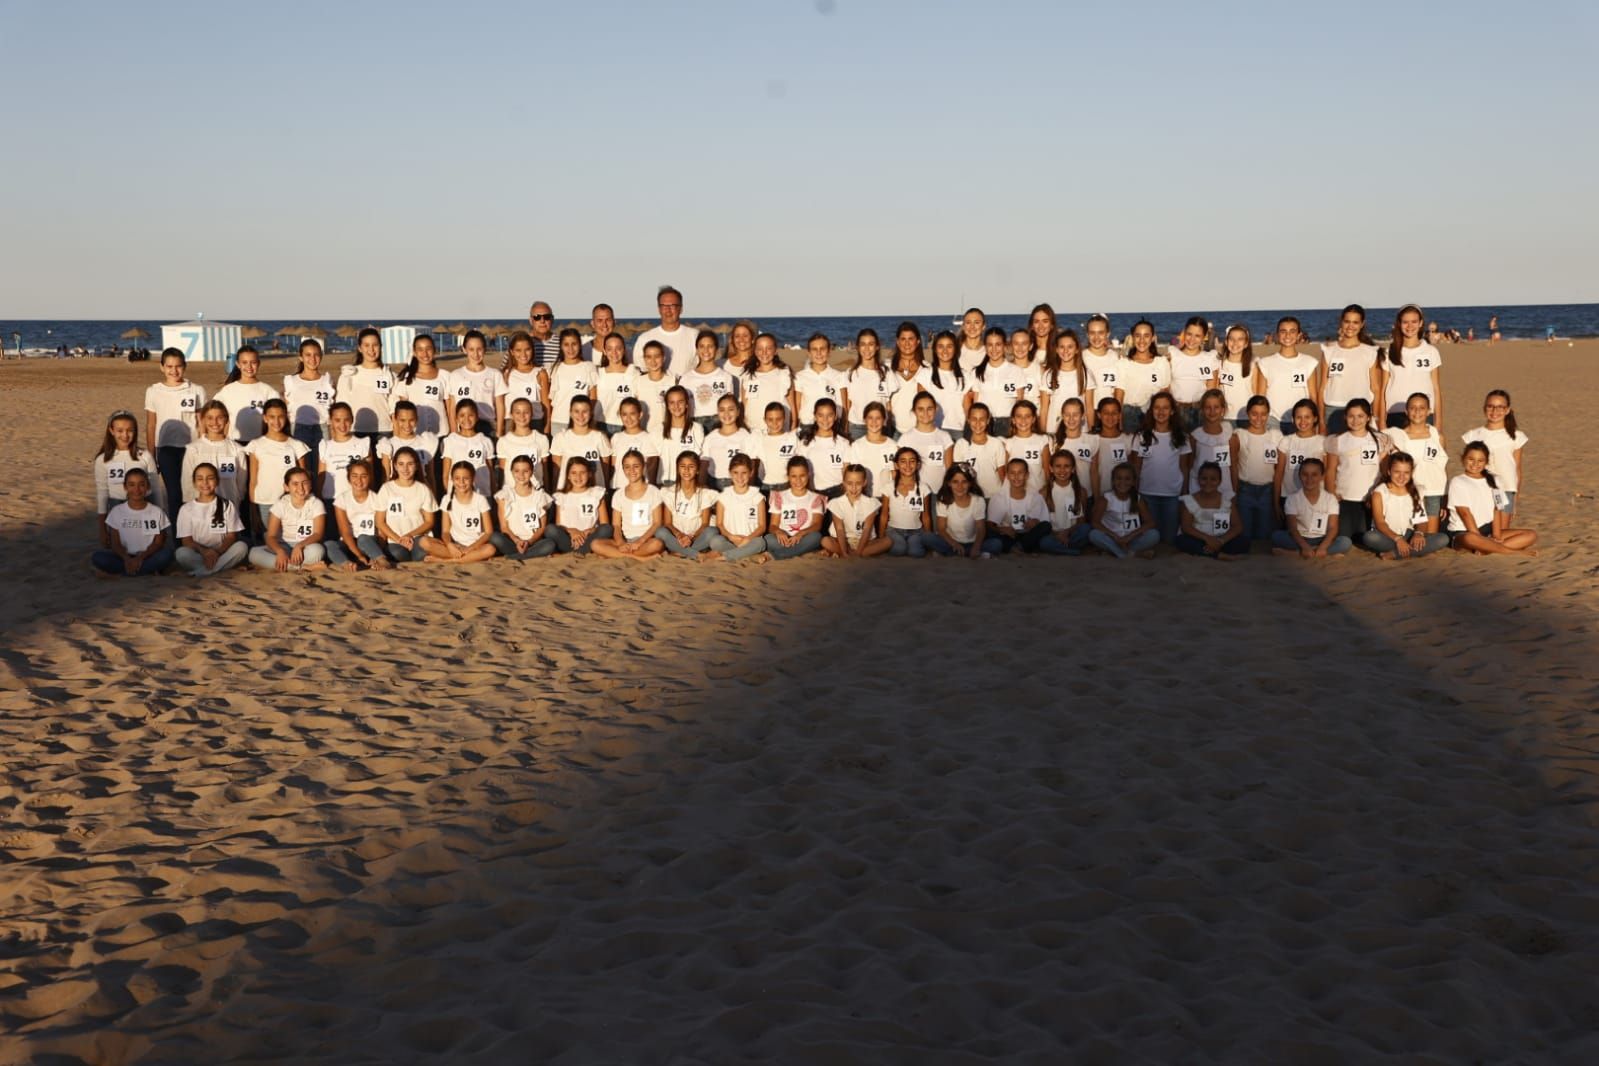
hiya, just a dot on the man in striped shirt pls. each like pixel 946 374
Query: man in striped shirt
pixel 546 349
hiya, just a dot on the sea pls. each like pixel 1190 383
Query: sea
pixel 1516 321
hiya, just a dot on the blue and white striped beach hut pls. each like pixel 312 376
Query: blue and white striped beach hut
pixel 203 342
pixel 397 343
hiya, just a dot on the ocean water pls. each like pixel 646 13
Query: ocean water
pixel 1515 321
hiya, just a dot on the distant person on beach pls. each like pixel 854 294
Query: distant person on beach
pixel 677 338
pixel 1493 330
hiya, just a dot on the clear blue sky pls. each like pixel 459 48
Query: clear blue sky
pixel 333 160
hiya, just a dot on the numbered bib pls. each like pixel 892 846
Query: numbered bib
pixel 1368 456
pixel 1318 524
pixel 365 524
pixel 1220 524
pixel 1130 521
pixel 1334 368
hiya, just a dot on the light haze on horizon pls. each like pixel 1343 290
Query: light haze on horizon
pixel 774 157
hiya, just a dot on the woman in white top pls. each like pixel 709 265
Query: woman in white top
pixel 637 514
pixel 1478 517
pixel 525 513
pixel 1505 443
pixel 1354 465
pixel 1401 526
pixel 686 510
pixel 138 543
pixel 467 527
pixel 172 407
pixel 119 453
pixel 1349 369
pixel 995 382
pixel 244 394
pixel 475 380
pixel 1289 375
pixel 817 380
pixel 910 373
pixel 740 531
pixel 1066 378
pixel 1411 364
pixel 209 530
pixel 1102 361
pixel 1144 372
pixel 949 387
pixel 869 382
pixel 972 352
pixel 309 393
pixel 368 386
pixel 766 381
pixel 294 528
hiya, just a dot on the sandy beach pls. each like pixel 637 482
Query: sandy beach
pixel 1027 810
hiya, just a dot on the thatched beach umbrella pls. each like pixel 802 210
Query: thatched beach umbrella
pixel 252 333
pixel 291 331
pixel 347 332
pixel 135 334
pixel 314 330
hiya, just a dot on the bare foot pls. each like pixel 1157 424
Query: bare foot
pixel 762 559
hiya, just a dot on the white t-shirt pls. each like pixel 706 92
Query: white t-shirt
pixel 405 507
pixel 983 462
pixel 792 513
pixel 431 397
pixel 679 441
pixel 109 475
pixel 875 457
pixel 960 521
pixel 425 445
pixel 970 358
pixel 1083 449
pixel 1161 471
pixel 760 390
pixel 1287 380
pixel 534 445
pixel 569 444
pixel 1348 373
pixel 1311 518
pixel 137 529
pixel 685 508
pixel 1210 521
pixel 230 459
pixel 308 400
pixel 274 459
pixel 635 515
pixel 568 381
pixel 476 450
pixel 741 511
pixel 1502 451
pixel 1213 448
pixel 1257 455
pixel 1359 462
pixel 646 444
pixel 369 392
pixel 525 515
pixel 813 385
pixel 467 517
pixel 706 389
pixel 199 521
pixel 1030 450
pixel 904 508
pixel 1121 516
pixel 949 392
pixel 1064 506
pixel 361 514
pixel 998 387
pixel 1029 382
pixel 772 454
pixel 1191 374
pixel 1107 372
pixel 523 385
pixel 176 412
pixel 1399 511
pixel 1415 375
pixel 1010 513
pixel 1298 449
pixel 611 388
pixel 679 346
pixel 719 449
pixel 902 405
pixel 1237 387
pixel 1432 462
pixel 868 386
pixel 855 514
pixel 826 456
pixel 482 387
pixel 932 446
pixel 335 457
pixel 1140 381
pixel 1474 494
pixel 297 524
pixel 652 394
pixel 244 404
pixel 1066 389
pixel 1113 451
pixel 579 510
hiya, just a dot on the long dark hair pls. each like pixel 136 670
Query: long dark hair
pixel 946 495
pixel 233 375
pixel 363 335
pixel 1146 431
pixel 807 434
pixel 1479 446
pixel 1396 343
pixel 954 363
pixel 666 421
pixel 882 371
pixel 408 375
pixel 1510 412
pixel 108 447
pixel 1077 484
pixel 991 331
pixel 1387 477
pixel 1248 361
pixel 1052 362
pixel 308 342
pixel 220 512
pixel 1363 336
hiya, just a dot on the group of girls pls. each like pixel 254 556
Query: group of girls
pixel 1023 442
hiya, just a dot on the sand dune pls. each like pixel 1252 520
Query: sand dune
pixel 1028 811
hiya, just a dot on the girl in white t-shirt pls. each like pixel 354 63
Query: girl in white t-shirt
pixel 1028 372
pixel 1349 369
pixel 995 382
pixel 907 505
pixel 731 437
pixel 208 528
pixel 216 445
pixel 1193 370
pixel 766 380
pixel 614 384
pixel 1121 524
pixel 1144 372
pixel 637 510
pixel 295 527
pixel 931 443
pixel 1072 435
pixel 1115 446
pixel 470 445
pixel 796 514
pixel 1162 455
pixel 1401 526
pixel 405 509
pixel 1235 373
pixel 338 450
pixel 740 531
pixel 818 381
pixel 405 420
pixel 1213 443
pixel 484 385
pixel 580 440
pixel 1354 466
pixel 707 381
pixel 875 449
pixel 466 522
pixel 1068 507
pixel 679 433
pixel 119 453
pixel 525 514
pixel 634 437
pixel 1066 378
pixel 1288 376
pixel 353 542
pixel 973 322
pixel 868 382
pixel 980 452
pixel 309 393
pixel 1103 362
pixel 368 386
pixel 961 519
pixel 521 439
pixel 949 387
pixel 1409 365
pixel 653 384
pixel 1298 448
pixel 272 455
pixel 1028 445
pixel 138 542
pixel 1478 514
pixel 686 508
pixel 911 376
pixel 1311 515
pixel 1210 521
pixel 774 447
pixel 581 517
pixel 172 408
pixel 427 385
pixel 1256 449
pixel 245 394
pixel 524 379
pixel 824 449
pixel 573 378
pixel 1018 516
pixel 855 520
pixel 1426 445
pixel 1505 443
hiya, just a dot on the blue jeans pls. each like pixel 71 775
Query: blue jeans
pixel 1434 505
pixel 1028 542
pixel 702 543
pixel 1065 541
pixel 938 545
pixel 907 542
pixel 1143 542
pixel 1284 539
pixel 733 552
pixel 1511 496
pixel 563 539
pixel 1239 545
pixel 539 547
pixel 1163 509
pixel 810 542
pixel 1374 541
pixel 1132 417
pixel 107 561
pixel 1256 509
pixel 194 562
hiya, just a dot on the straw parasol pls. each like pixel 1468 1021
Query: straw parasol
pixel 347 332
pixel 252 333
pixel 135 334
pixel 291 331
pixel 314 330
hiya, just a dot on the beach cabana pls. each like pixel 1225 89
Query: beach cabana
pixel 203 342
pixel 397 343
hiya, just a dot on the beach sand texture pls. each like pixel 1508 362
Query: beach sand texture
pixel 1029 811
